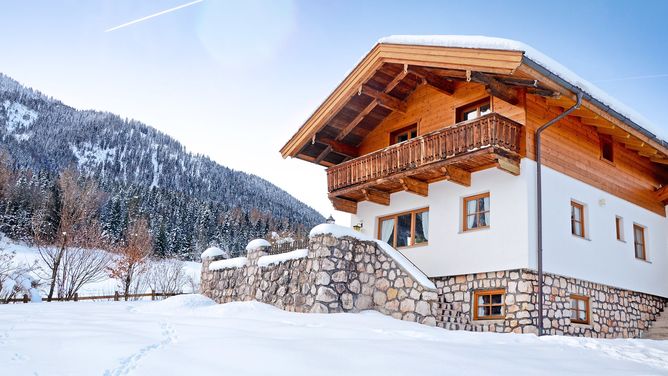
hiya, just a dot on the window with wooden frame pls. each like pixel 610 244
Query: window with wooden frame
pixel 579 309
pixel 639 241
pixel 474 110
pixel 619 228
pixel 489 305
pixel 607 150
pixel 577 219
pixel 403 134
pixel 405 229
pixel 476 212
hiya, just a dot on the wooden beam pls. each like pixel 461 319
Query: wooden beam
pixel 376 196
pixel 598 123
pixel 413 185
pixel 508 165
pixel 542 92
pixel 662 194
pixel 385 100
pixel 344 132
pixel 663 161
pixel 344 205
pixel 396 80
pixel 496 88
pixel 439 83
pixel 457 175
pixel 323 154
pixel 340 147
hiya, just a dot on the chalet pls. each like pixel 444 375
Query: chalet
pixel 507 179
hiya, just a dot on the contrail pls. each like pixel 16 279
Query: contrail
pixel 634 78
pixel 153 15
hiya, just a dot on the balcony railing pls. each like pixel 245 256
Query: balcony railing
pixel 492 130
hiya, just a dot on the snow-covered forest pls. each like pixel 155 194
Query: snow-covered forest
pixel 133 171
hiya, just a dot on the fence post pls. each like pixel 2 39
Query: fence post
pixel 25 298
pixel 152 294
pixel 115 296
pixel 76 296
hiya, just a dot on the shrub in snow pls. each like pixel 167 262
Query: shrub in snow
pixel 166 276
pixel 15 278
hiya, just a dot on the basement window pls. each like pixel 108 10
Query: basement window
pixel 474 110
pixel 607 150
pixel 403 134
pixel 579 309
pixel 405 229
pixel 488 305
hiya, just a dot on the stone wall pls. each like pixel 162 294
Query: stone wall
pixel 338 274
pixel 613 312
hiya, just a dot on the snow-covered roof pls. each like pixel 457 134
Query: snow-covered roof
pixel 212 252
pixel 399 258
pixel 554 67
pixel 257 244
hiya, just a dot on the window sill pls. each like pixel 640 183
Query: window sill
pixel 487 321
pixel 581 237
pixel 412 246
pixel 582 325
pixel 474 230
pixel 643 260
pixel 621 241
pixel 611 163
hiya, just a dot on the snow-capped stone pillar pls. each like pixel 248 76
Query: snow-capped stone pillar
pixel 256 249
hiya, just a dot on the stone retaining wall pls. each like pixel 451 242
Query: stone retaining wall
pixel 338 275
pixel 614 312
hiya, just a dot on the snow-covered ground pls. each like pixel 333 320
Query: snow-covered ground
pixel 27 254
pixel 190 335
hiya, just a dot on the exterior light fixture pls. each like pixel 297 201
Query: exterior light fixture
pixel 358 227
pixel 330 220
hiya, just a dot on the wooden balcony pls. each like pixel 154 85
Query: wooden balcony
pixel 450 153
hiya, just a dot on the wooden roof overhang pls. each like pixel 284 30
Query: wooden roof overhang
pixel 381 83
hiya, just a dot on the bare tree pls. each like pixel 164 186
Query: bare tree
pixel 166 275
pixel 132 263
pixel 77 228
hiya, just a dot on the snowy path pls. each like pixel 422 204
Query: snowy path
pixel 188 335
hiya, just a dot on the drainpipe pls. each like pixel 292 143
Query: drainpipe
pixel 539 205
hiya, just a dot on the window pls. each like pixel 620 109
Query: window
pixel 488 305
pixel 580 309
pixel 474 110
pixel 405 229
pixel 619 228
pixel 639 241
pixel 607 151
pixel 476 212
pixel 577 219
pixel 403 134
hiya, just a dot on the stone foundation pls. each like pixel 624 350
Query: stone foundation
pixel 614 313
pixel 337 275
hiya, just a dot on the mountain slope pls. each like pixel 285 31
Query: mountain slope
pixel 143 169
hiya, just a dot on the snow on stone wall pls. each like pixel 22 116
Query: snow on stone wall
pixel 337 274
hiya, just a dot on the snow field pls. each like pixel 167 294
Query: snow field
pixel 191 335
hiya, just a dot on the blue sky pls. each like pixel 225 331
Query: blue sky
pixel 234 80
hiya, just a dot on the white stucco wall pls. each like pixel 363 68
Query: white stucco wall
pixel 510 242
pixel 600 257
pixel 450 251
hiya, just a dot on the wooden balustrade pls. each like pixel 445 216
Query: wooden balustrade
pixel 492 130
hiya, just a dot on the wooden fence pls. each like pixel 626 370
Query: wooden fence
pixel 116 297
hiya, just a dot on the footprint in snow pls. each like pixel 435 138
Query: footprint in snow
pixel 130 363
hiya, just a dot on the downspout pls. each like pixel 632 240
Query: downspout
pixel 539 206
